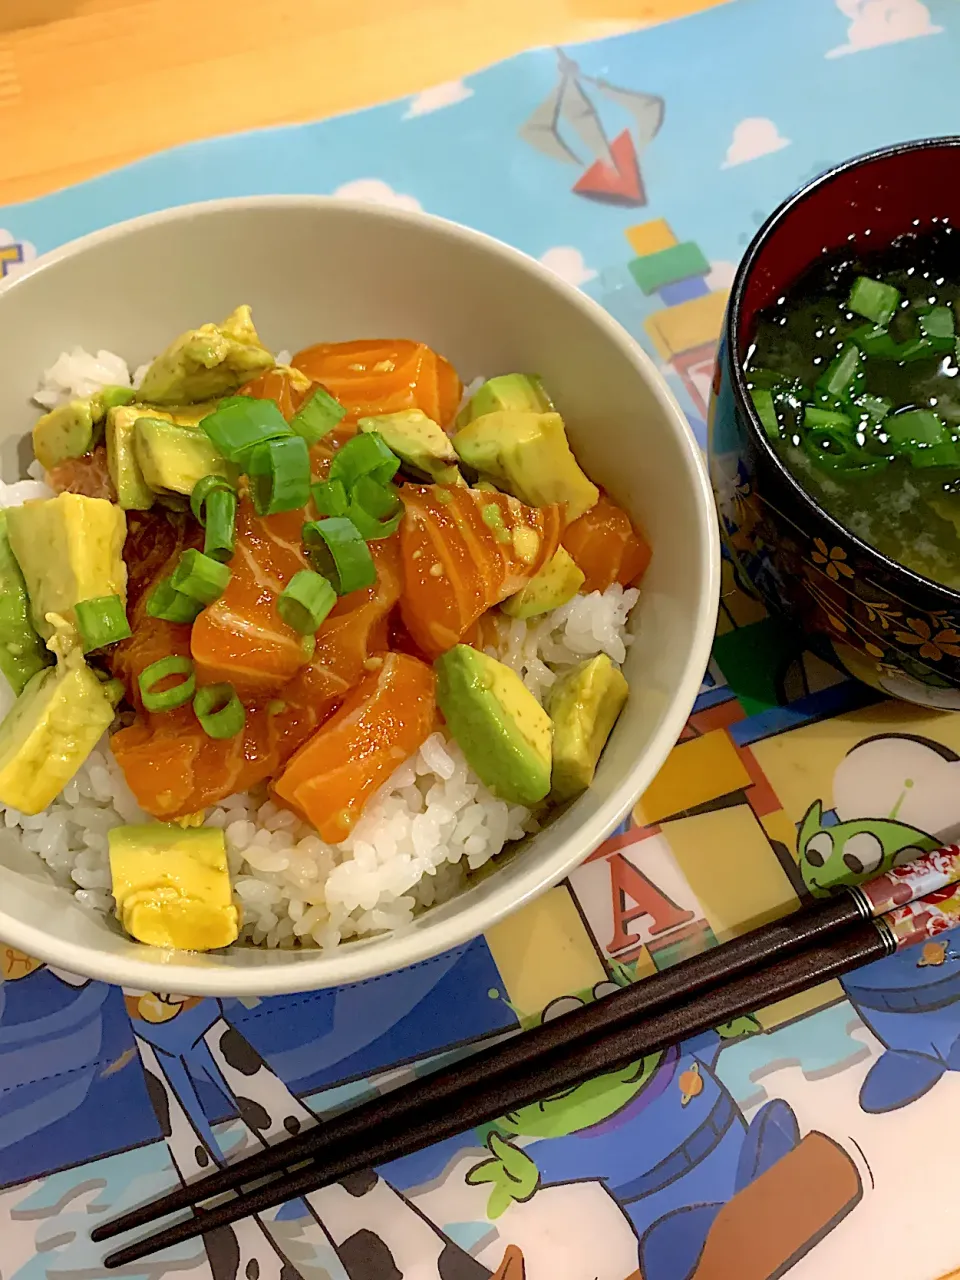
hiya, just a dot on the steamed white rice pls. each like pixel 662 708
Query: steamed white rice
pixel 417 838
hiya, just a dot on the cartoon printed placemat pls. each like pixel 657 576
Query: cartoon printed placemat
pixel 809 1138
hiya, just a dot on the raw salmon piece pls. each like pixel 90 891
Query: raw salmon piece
pixel 241 637
pixel 607 547
pixel 287 388
pixel 88 475
pixel 173 768
pixel 465 550
pixel 376 376
pixel 389 715
pixel 171 765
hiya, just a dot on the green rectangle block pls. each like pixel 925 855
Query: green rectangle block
pixel 669 266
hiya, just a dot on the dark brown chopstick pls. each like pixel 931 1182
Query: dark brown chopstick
pixel 557 1069
pixel 395 1110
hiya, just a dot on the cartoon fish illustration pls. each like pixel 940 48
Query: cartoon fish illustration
pixel 934 953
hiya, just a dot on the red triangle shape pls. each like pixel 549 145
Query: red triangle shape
pixel 619 183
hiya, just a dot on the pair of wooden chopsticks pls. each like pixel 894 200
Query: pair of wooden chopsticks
pixel 908 905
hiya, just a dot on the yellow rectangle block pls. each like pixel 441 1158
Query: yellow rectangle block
pixel 650 237
pixel 545 951
pixel 687 325
pixel 694 772
pixel 727 861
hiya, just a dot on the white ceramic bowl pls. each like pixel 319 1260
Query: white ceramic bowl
pixel 317 269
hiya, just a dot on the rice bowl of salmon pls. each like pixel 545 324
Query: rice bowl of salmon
pixel 350 593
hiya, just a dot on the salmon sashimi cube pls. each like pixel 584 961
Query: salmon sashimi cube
pixel 606 547
pixel 241 637
pixel 88 475
pixel 287 388
pixel 174 769
pixel 465 550
pixel 376 376
pixel 389 715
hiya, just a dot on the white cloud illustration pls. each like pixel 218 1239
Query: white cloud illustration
pixel 14 254
pixel 876 22
pixel 437 97
pixel 376 191
pixel 752 138
pixel 568 263
pixel 890 773
pixel 720 276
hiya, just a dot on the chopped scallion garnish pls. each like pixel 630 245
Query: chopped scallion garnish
pixel 101 620
pixel 305 601
pixel 364 455
pixel 873 300
pixel 175 696
pixel 339 552
pixel 200 577
pixel 375 508
pixel 317 416
pixel 329 498
pixel 763 403
pixel 937 328
pixel 219 710
pixel 240 423
pixel 279 473
pixel 843 378
pixel 172 605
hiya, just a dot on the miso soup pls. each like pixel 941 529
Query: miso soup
pixel 855 376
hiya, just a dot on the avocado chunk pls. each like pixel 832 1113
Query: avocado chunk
pixel 70 430
pixel 69 548
pixel 172 886
pixel 421 444
pixel 133 492
pixel 557 582
pixel 22 653
pixel 205 363
pixel 55 723
pixel 584 706
pixel 523 392
pixel 497 722
pixel 528 455
pixel 172 459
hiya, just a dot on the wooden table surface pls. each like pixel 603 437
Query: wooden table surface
pixel 87 85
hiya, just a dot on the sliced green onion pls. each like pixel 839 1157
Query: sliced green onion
pixel 338 550
pixel 305 601
pixel 915 429
pixel 171 605
pixel 873 300
pixel 200 577
pixel 219 711
pixel 168 699
pixel 101 621
pixel 879 344
pixel 834 448
pixel 220 537
pixel 330 498
pixel 375 508
pixel 317 416
pixel 375 498
pixel 813 417
pixel 946 454
pixel 279 473
pixel 937 328
pixel 873 408
pixel 240 423
pixel 763 403
pixel 844 376
pixel 364 455
pixel 202 491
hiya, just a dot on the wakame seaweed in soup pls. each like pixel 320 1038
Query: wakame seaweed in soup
pixel 855 377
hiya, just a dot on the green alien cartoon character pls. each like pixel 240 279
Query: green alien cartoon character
pixel 854 851
pixel 663 1135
